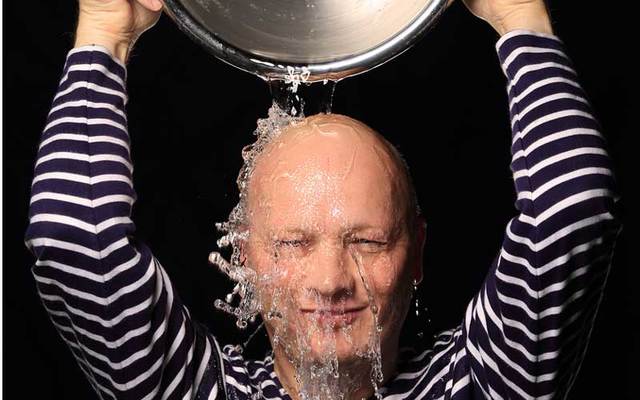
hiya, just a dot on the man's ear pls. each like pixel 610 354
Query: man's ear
pixel 420 239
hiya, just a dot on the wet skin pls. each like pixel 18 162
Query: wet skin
pixel 333 239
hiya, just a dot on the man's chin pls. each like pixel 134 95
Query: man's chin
pixel 339 348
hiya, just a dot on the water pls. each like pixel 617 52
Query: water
pixel 317 378
pixel 302 98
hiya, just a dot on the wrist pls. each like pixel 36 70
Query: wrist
pixel 117 45
pixel 535 18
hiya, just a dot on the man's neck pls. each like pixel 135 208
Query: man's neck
pixel 360 388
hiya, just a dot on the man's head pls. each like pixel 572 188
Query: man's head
pixel 334 237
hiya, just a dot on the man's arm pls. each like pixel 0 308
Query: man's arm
pixel 109 298
pixel 107 295
pixel 527 329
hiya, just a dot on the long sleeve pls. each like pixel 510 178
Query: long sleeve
pixel 525 333
pixel 107 295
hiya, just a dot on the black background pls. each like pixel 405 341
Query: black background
pixel 443 103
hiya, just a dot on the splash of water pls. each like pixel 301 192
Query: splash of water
pixel 298 97
pixel 235 230
pixel 316 379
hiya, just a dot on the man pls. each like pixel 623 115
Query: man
pixel 331 218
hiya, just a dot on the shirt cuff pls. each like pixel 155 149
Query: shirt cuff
pixel 529 47
pixel 98 54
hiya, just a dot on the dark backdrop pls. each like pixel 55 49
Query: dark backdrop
pixel 443 103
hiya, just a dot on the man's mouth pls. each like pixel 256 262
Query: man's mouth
pixel 334 317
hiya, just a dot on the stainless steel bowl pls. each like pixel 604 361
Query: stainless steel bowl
pixel 308 39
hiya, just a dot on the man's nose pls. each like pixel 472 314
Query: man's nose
pixel 330 274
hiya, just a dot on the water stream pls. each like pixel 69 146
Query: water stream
pixel 317 377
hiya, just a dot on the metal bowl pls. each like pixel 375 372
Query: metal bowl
pixel 312 39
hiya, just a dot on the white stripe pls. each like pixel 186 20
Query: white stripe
pixel 536 295
pixel 460 384
pixel 90 86
pixel 134 382
pixel 177 341
pixel 85 121
pixel 547 99
pixel 531 50
pixel 496 349
pixel 80 272
pixel 434 379
pixel 153 393
pixel 536 67
pixel 61 244
pixel 535 338
pixel 517 303
pixel 514 345
pixel 557 235
pixel 81 201
pixel 551 117
pixel 423 370
pixel 561 179
pixel 178 378
pixel 231 381
pixel 110 344
pixel 85 138
pixel 518 32
pixel 107 323
pixel 494 366
pixel 478 384
pixel 552 138
pixel 96 47
pixel 120 386
pixel 203 363
pixel 561 260
pixel 538 85
pixel 93 67
pixel 422 373
pixel 140 354
pixel 544 313
pixel 64 155
pixel 88 104
pixel 104 301
pixel 557 158
pixel 259 370
pixel 89 180
pixel 214 392
pixel 77 223
pixel 570 201
pixel 85 364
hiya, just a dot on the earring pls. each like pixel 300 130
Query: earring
pixel 415 298
pixel 420 318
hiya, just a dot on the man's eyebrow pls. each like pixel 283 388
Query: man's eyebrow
pixel 363 227
pixel 295 231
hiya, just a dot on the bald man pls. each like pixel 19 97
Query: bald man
pixel 334 239
pixel 322 192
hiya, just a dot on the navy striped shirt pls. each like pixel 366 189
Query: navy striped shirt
pixel 523 335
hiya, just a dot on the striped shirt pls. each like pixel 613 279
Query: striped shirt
pixel 523 335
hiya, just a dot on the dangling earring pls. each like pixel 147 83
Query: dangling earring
pixel 420 317
pixel 415 298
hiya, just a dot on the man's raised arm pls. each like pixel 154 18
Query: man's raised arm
pixel 525 333
pixel 106 294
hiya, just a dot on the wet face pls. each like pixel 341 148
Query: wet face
pixel 329 240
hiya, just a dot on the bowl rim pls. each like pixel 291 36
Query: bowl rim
pixel 269 69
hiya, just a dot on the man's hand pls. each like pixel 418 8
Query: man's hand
pixel 507 15
pixel 115 24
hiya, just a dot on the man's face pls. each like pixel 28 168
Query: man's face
pixel 329 241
